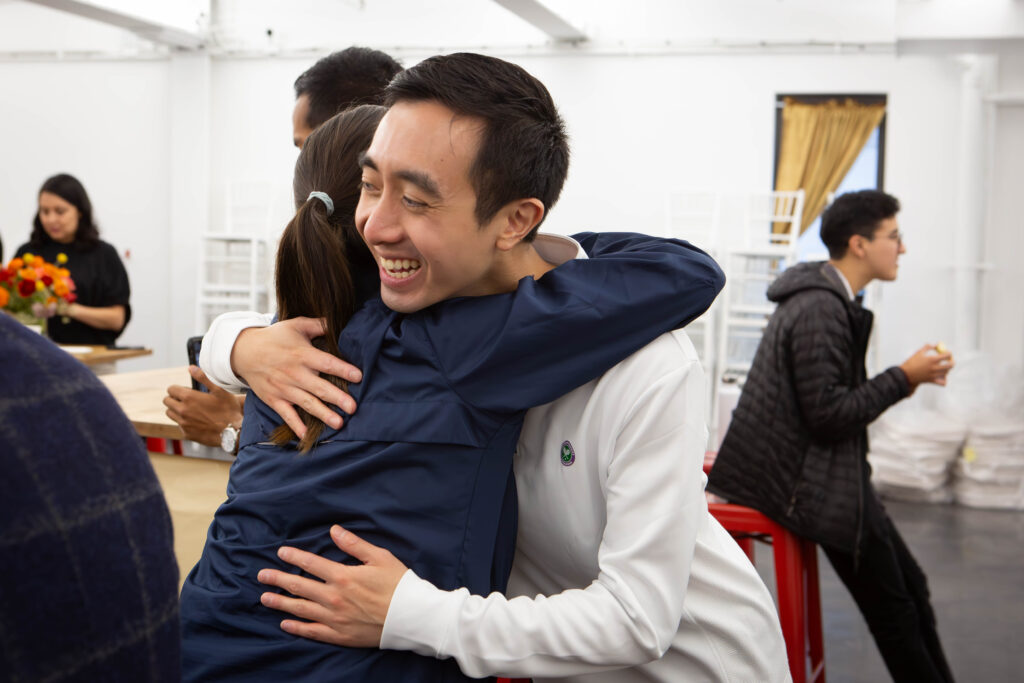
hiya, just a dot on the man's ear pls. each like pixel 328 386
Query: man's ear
pixel 856 245
pixel 520 217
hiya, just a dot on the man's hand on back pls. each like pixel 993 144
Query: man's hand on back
pixel 349 606
pixel 282 367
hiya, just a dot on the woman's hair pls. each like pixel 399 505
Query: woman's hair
pixel 313 273
pixel 70 190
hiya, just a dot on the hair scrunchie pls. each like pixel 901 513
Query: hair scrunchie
pixel 325 198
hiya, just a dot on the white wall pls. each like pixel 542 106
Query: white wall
pixel 642 123
pixel 711 126
pixel 1002 314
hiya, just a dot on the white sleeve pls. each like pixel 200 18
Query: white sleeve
pixel 631 612
pixel 219 340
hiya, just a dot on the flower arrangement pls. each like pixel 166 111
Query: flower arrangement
pixel 31 289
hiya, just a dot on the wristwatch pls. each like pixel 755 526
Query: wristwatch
pixel 229 439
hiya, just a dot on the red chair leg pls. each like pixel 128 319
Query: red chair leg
pixel 176 447
pixel 790 584
pixel 815 636
pixel 154 445
pixel 747 545
pixel 796 579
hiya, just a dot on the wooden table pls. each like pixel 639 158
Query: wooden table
pixel 141 394
pixel 101 354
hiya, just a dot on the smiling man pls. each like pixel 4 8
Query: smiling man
pixel 618 562
pixel 443 248
pixel 467 334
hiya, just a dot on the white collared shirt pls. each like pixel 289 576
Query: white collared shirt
pixel 621 575
pixel 846 283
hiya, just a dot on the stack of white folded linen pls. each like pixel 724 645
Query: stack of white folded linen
pixel 990 472
pixel 912 451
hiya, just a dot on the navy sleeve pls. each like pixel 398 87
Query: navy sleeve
pixel 525 348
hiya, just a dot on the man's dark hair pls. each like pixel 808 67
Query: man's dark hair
pixel 68 188
pixel 353 76
pixel 524 150
pixel 855 213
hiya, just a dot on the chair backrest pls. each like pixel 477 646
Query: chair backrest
pixel 772 219
pixel 695 216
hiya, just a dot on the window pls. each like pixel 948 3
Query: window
pixel 866 173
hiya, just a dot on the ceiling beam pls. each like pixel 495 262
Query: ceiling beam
pixel 149 30
pixel 539 15
pixel 1000 45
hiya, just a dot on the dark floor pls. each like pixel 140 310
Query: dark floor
pixel 974 560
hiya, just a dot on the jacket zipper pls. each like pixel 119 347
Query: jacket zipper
pixel 860 512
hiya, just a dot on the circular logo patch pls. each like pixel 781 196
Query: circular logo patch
pixel 568 454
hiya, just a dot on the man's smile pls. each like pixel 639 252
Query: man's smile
pixel 399 268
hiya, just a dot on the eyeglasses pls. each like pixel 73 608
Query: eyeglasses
pixel 896 237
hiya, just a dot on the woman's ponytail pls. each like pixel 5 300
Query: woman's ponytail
pixel 313 272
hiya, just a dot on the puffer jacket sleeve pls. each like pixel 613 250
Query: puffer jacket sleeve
pixel 833 406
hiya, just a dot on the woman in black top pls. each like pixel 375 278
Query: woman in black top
pixel 64 224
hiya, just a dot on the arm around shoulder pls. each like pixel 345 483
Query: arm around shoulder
pixel 579 319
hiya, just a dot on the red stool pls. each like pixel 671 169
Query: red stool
pixel 157 445
pixel 796 579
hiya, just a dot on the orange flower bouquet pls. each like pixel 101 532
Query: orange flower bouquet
pixel 33 290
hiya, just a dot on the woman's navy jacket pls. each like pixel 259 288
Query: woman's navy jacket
pixel 424 466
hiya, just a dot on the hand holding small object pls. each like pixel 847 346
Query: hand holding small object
pixel 929 364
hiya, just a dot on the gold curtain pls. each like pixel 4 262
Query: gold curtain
pixel 819 144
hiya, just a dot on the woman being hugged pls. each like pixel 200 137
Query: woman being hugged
pixel 64 225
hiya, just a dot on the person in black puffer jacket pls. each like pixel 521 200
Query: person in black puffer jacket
pixel 796 448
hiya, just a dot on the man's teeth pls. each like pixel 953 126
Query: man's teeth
pixel 400 268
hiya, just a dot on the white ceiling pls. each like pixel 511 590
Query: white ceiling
pixel 34 27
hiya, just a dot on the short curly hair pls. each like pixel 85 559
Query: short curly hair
pixel 855 213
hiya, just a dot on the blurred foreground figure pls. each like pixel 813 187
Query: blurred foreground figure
pixel 88 581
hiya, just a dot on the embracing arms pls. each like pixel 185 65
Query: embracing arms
pixel 279 363
pixel 649 464
pixel 282 368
